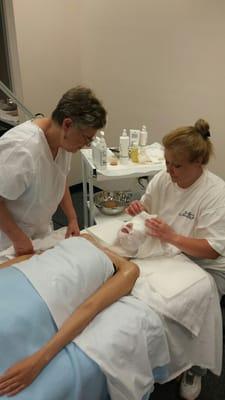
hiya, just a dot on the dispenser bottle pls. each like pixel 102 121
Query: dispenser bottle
pixel 95 151
pixel 102 148
pixel 124 147
pixel 143 136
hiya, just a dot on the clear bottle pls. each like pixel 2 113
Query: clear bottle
pixel 95 151
pixel 143 136
pixel 124 147
pixel 102 148
pixel 134 153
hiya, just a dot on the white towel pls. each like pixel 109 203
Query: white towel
pixel 171 284
pixel 135 244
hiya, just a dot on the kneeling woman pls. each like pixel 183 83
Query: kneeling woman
pixel 77 279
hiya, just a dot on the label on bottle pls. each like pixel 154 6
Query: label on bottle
pixel 103 158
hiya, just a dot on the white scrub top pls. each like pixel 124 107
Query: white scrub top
pixel 31 181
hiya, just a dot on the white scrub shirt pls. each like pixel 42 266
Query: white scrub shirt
pixel 31 181
pixel 197 211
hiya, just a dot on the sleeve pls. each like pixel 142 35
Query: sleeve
pixel 151 191
pixel 210 226
pixel 16 172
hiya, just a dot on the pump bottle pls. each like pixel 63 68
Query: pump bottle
pixel 124 147
pixel 102 148
pixel 143 136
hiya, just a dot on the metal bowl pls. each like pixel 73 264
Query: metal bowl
pixel 112 203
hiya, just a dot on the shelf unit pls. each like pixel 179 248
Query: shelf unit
pixel 90 174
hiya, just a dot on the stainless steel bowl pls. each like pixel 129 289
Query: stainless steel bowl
pixel 112 203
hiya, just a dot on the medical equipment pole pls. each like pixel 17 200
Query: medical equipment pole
pixel 10 94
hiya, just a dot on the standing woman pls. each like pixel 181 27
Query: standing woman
pixel 35 160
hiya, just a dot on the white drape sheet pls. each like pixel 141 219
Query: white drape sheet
pixel 105 338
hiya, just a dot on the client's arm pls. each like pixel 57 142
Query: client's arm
pixel 21 374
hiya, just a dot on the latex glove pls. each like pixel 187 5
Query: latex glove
pixel 23 245
pixel 135 207
pixel 21 375
pixel 160 229
pixel 72 228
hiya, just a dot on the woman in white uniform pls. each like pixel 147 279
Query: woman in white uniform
pixel 34 163
pixel 190 203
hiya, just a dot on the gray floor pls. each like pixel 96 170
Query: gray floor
pixel 213 387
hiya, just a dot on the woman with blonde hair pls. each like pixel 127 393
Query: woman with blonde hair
pixel 189 202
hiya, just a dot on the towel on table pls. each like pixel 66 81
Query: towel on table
pixel 171 284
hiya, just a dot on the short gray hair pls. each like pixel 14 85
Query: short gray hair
pixel 81 105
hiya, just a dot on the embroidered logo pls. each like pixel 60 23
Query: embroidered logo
pixel 187 214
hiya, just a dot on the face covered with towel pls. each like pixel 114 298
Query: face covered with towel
pixel 133 241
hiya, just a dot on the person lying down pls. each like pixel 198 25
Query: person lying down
pixel 86 278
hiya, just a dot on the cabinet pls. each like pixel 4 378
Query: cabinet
pixel 91 174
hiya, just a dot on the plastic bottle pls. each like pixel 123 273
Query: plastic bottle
pixel 102 148
pixel 134 153
pixel 95 151
pixel 134 136
pixel 124 147
pixel 143 136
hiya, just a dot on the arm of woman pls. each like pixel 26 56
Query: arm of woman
pixel 68 209
pixel 21 374
pixel 21 242
pixel 191 246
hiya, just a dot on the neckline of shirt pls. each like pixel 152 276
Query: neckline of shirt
pixel 44 140
pixel 194 185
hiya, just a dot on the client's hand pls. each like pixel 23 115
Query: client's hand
pixel 160 229
pixel 135 207
pixel 20 375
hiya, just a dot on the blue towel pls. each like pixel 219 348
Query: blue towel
pixel 25 325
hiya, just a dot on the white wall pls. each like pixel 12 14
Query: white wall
pixel 158 62
pixel 49 56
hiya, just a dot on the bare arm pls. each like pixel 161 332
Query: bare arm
pixel 68 209
pixel 20 240
pixel 191 246
pixel 24 372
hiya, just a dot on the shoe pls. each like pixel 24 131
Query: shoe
pixel 190 386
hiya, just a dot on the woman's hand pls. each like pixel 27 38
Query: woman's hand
pixel 135 207
pixel 160 229
pixel 72 228
pixel 21 375
pixel 23 245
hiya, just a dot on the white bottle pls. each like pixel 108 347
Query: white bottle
pixel 143 136
pixel 134 136
pixel 124 147
pixel 102 148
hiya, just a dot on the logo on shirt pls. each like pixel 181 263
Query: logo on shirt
pixel 187 214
